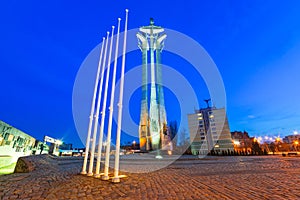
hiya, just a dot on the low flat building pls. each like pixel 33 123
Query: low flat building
pixel 14 144
pixel 242 142
pixel 291 138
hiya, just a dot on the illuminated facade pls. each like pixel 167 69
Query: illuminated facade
pixel 14 143
pixel 291 138
pixel 242 142
pixel 153 131
pixel 210 130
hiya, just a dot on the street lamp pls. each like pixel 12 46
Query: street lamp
pixel 134 142
pixel 296 144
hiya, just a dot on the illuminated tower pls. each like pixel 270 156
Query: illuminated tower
pixel 153 123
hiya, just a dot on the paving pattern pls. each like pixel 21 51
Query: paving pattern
pixel 265 177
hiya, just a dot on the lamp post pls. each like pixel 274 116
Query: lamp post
pixel 134 142
pixel 277 143
pixel 296 145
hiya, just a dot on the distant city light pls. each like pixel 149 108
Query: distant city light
pixel 295 132
pixel 259 139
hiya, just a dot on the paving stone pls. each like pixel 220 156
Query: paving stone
pixel 265 177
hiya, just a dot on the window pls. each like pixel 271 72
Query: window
pixel 6 136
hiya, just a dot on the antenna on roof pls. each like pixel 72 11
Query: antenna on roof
pixel 207 100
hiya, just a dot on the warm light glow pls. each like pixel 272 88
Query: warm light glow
pixel 277 139
pixel 259 139
pixel 296 142
pixel 236 142
pixel 217 146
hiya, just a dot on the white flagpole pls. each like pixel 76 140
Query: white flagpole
pixel 98 104
pixel 87 146
pixel 96 117
pixel 112 97
pixel 116 177
pixel 97 173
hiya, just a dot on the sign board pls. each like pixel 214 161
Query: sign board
pixel 52 140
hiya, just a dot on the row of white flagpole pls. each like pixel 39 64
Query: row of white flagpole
pixel 94 115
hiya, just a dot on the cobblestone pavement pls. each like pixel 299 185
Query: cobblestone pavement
pixel 266 177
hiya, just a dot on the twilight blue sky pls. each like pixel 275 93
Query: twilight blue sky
pixel 255 45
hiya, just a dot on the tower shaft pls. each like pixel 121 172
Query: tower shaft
pixel 151 40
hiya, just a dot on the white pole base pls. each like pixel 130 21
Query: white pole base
pixel 83 172
pixel 115 180
pixel 105 178
pixel 90 174
pixel 98 175
pixel 158 157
